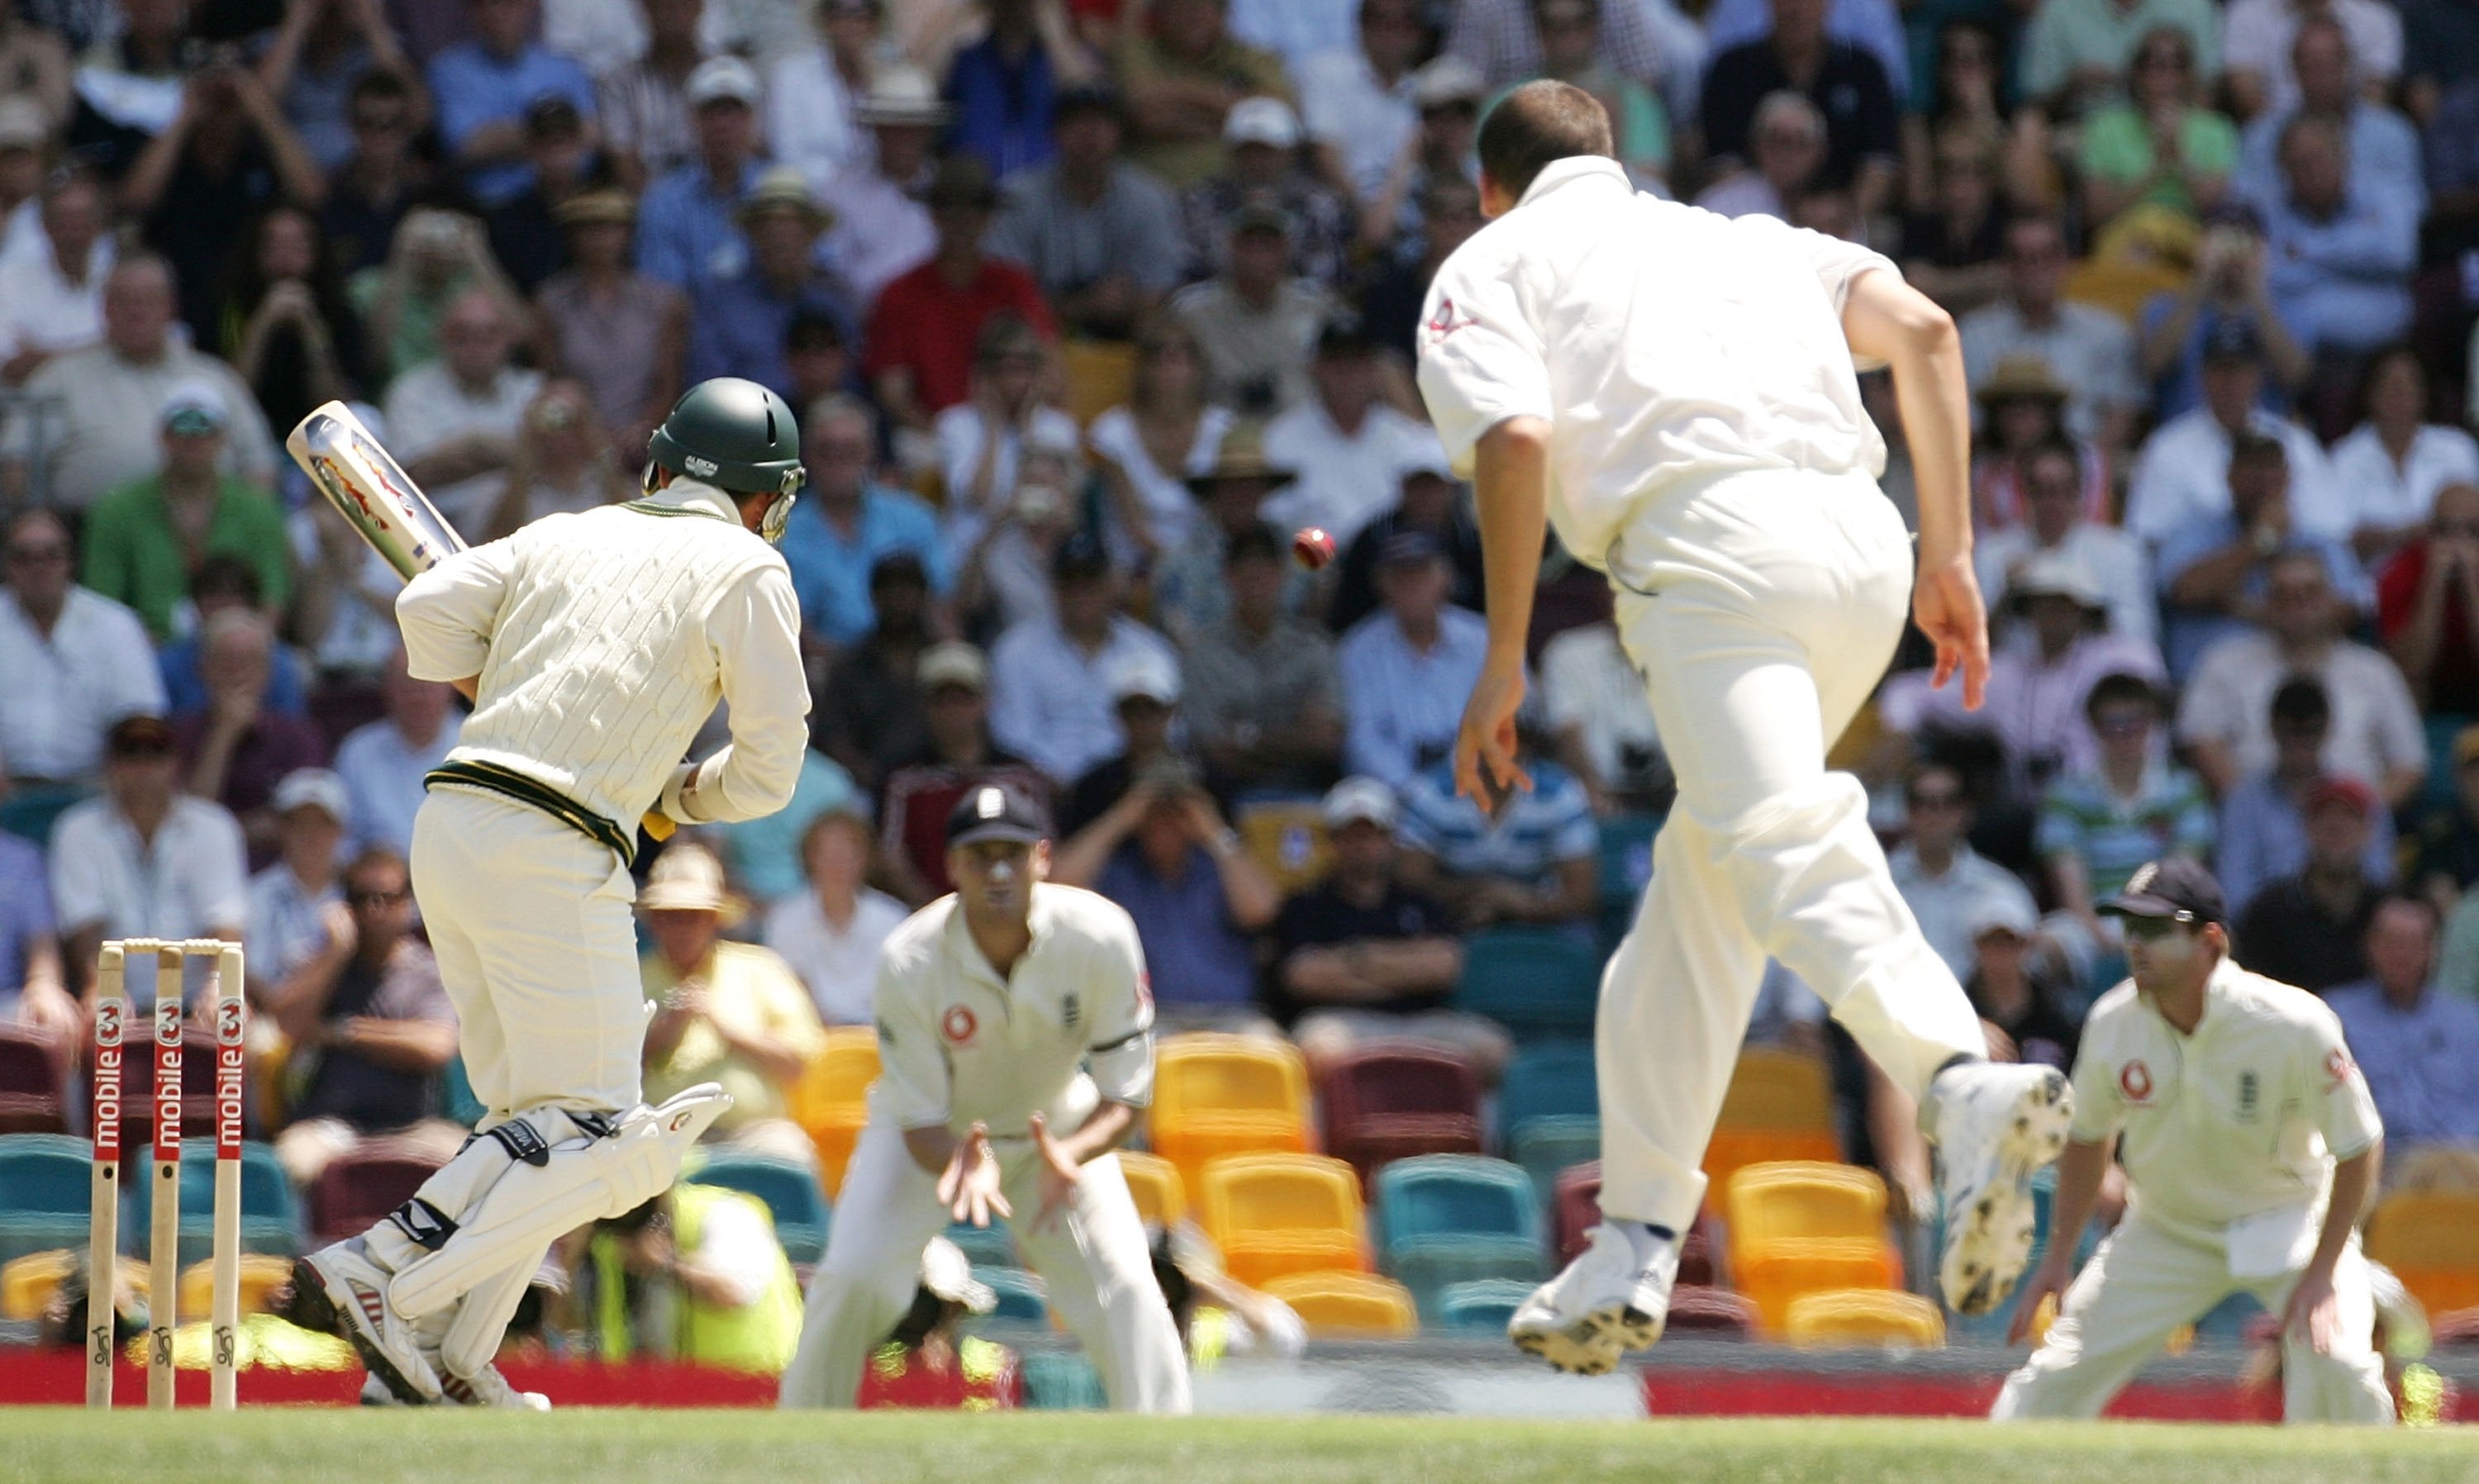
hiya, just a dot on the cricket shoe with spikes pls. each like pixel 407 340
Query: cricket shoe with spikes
pixel 488 1388
pixel 1614 1297
pixel 339 1290
pixel 1995 1126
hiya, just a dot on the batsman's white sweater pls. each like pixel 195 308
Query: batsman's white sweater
pixel 602 641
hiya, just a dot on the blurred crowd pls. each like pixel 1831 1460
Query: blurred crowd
pixel 1085 306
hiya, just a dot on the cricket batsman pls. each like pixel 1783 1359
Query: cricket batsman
pixel 1677 391
pixel 2251 1146
pixel 1005 1011
pixel 596 644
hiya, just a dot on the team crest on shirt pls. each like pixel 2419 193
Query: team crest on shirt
pixel 1071 1010
pixel 2248 1091
pixel 2337 1068
pixel 1444 322
pixel 958 1025
pixel 2135 1080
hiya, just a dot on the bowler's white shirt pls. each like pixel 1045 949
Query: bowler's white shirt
pixel 839 965
pixel 959 1045
pixel 2385 494
pixel 1661 343
pixel 61 692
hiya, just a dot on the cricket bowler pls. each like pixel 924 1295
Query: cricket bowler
pixel 596 643
pixel 1675 389
pixel 1006 1010
pixel 2251 1146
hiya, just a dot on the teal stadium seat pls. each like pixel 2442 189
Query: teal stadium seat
pixel 1450 1219
pixel 1534 981
pixel 987 1246
pixel 1021 1301
pixel 1546 1080
pixel 790 1191
pixel 46 1184
pixel 271 1215
pixel 1626 868
pixel 1550 1144
pixel 1481 1306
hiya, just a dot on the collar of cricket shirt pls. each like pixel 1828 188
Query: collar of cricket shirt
pixel 968 951
pixel 684 495
pixel 1575 168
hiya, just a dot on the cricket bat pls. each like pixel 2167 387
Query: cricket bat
pixel 374 495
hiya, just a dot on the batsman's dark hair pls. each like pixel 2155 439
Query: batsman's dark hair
pixel 1535 126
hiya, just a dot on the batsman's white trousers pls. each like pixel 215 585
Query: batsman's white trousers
pixel 531 924
pixel 2146 1281
pixel 1093 1260
pixel 1761 609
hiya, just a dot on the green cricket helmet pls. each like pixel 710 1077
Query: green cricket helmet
pixel 737 436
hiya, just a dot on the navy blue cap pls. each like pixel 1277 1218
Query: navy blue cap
pixel 2174 889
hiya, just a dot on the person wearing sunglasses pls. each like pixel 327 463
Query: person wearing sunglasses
pixel 2251 1146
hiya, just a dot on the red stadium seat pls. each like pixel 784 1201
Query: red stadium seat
pixel 360 1187
pixel 1577 1207
pixel 1390 1100
pixel 30 1084
pixel 1716 1314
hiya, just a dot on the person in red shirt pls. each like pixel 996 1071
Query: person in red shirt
pixel 2427 606
pixel 918 350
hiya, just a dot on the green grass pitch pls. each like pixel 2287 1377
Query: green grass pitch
pixel 45 1447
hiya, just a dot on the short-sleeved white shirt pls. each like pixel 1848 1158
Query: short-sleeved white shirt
pixel 959 1045
pixel 1661 343
pixel 191 880
pixel 65 689
pixel 2245 1116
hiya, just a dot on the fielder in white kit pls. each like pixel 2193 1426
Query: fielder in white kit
pixel 992 1003
pixel 2251 1145
pixel 596 643
pixel 1675 390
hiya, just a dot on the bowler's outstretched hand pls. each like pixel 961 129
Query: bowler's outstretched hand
pixel 1486 771
pixel 1947 605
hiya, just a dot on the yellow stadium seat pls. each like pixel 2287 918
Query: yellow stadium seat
pixel 1348 1305
pixel 1160 1196
pixel 1778 1089
pixel 1278 1214
pixel 1731 1150
pixel 1864 1317
pixel 1100 375
pixel 1803 1200
pixel 1191 1146
pixel 1286 840
pixel 1211 1073
pixel 28 1283
pixel 830 1102
pixel 261 1275
pixel 2430 1239
pixel 1774 1277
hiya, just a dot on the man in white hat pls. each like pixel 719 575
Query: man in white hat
pixel 1262 161
pixel 880 199
pixel 686 231
pixel 814 91
pixel 289 902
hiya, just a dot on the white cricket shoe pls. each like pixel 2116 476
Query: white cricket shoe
pixel 488 1388
pixel 339 1290
pixel 1994 1126
pixel 1612 1298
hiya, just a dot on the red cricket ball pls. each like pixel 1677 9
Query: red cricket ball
pixel 1313 546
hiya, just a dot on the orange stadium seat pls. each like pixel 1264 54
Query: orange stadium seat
pixel 1278 1214
pixel 1160 1196
pixel 1217 1095
pixel 1797 1227
pixel 1731 1150
pixel 830 1102
pixel 1099 375
pixel 1778 1089
pixel 1864 1317
pixel 1776 1278
pixel 2430 1239
pixel 1347 1305
pixel 261 1275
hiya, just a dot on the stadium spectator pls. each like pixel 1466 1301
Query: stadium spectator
pixel 1188 590
pixel 560 160
pixel 283 319
pixel 1346 443
pixel 1535 860
pixel 224 581
pixel 2427 605
pixel 438 255
pixel 2015 996
pixel 2160 149
pixel 2217 573
pixel 106 399
pixel 33 993
pixel 563 464
pixel 138 57
pixel 739 321
pixel 26 141
pixel 829 933
pixel 2183 475
pixel 143 539
pixel 1428 498
pixel 51 297
pixel 1182 78
pixel 1005 88
pixel 371 189
pixel 1359 955
pixel 383 763
pixel 1955 233
pixel 725 1012
pixel 814 119
pixel 38 57
pixel 685 228
pixel 370 1028
pixel 2257 47
pixel 1253 323
pixel 2088 350
pixel 869 714
pixel 1952 889
pixel 1404 667
pixel 1448 93
pixel 1006 576
pixel 2340 246
pixel 762 857
pixel 1571 51
pixel 1143 688
pixel 1602 727
pixel 1264 707
pixel 620 333
pixel 883 225
pixel 1050 692
pixel 2418 1046
pixel 235 748
pixel 1261 163
pixel 847 523
pixel 2096 827
pixel 2310 928
pixel 72 662
pixel 2264 819
pixel 2396 461
pixel 2382 146
pixel 1847 85
pixel 456 420
pixel 2223 313
pixel 1390 299
pixel 694 1277
pixel 982 440
pixel 818 355
pixel 2224 720
pixel 923 332
pixel 289 899
pixel 2441 854
pixel 957 753
pixel 1786 156
pixel 482 88
pixel 143 858
pixel 1099 235
pixel 643 105
pixel 2057 524
pixel 1165 435
pixel 1500 40
pixel 1356 101
pixel 2077 53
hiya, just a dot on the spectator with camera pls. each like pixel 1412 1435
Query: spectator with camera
pixel 565 463
pixel 2224 312
pixel 2427 605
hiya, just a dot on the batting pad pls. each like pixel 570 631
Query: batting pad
pixel 532 1206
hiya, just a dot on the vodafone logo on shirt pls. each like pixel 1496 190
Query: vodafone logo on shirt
pixel 958 1025
pixel 2135 1080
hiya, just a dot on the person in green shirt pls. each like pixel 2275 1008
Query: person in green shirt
pixel 2157 147
pixel 144 540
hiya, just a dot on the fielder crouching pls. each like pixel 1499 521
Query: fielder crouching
pixel 596 644
pixel 991 1004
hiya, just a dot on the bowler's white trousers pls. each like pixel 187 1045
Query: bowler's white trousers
pixel 2146 1281
pixel 1761 609
pixel 1093 1262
